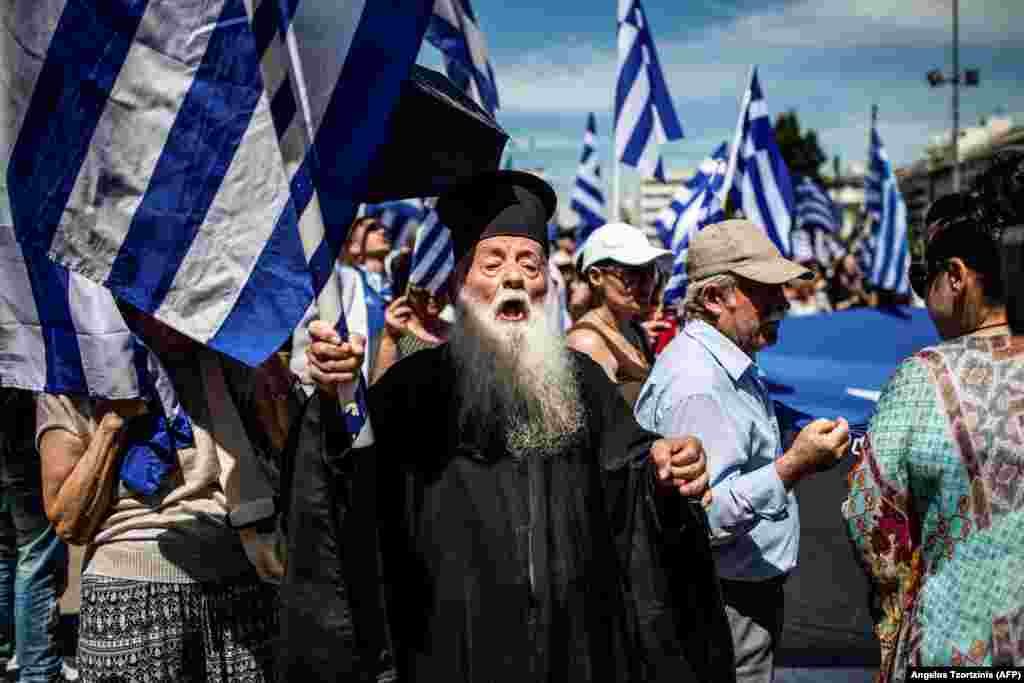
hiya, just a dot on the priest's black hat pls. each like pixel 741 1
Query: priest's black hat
pixel 494 204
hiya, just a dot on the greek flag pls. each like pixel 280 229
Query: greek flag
pixel 817 225
pixel 814 208
pixel 696 204
pixel 865 253
pixel 802 242
pixel 401 218
pixel 208 181
pixel 432 258
pixel 828 248
pixel 455 31
pixel 762 186
pixel 644 115
pixel 888 217
pixel 587 197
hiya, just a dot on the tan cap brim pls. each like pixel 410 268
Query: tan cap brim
pixel 773 271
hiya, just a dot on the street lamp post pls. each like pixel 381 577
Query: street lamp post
pixel 969 78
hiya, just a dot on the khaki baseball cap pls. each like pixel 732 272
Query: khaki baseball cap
pixel 743 248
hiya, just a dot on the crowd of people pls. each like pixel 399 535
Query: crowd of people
pixel 567 481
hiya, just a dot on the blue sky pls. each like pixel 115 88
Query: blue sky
pixel 555 61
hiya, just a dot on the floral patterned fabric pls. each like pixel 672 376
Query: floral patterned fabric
pixel 936 507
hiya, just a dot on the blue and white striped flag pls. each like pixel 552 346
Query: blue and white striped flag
pixel 814 237
pixel 644 114
pixel 433 258
pixel 828 249
pixel 814 208
pixel 757 173
pixel 211 181
pixel 195 178
pixel 696 204
pixel 401 218
pixel 455 31
pixel 888 216
pixel 865 253
pixel 587 197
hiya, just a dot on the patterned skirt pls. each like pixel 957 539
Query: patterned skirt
pixel 147 632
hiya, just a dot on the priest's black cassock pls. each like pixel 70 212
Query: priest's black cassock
pixel 572 567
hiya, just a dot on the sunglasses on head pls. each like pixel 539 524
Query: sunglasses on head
pixel 921 275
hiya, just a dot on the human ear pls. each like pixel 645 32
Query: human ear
pixel 957 272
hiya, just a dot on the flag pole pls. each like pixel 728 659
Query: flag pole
pixel 614 218
pixel 737 136
pixel 328 301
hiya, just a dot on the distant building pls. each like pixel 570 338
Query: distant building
pixel 847 193
pixel 925 180
pixel 655 196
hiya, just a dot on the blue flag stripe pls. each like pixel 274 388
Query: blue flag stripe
pixel 89 48
pixel 63 356
pixel 203 140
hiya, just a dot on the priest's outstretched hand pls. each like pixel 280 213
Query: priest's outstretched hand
pixel 333 363
pixel 680 464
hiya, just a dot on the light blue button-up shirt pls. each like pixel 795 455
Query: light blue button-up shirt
pixel 705 385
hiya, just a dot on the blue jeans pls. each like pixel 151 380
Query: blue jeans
pixel 33 561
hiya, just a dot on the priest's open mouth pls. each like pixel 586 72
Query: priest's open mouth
pixel 514 310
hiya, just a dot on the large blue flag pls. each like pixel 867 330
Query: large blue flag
pixel 888 216
pixel 644 114
pixel 758 176
pixel 455 31
pixel 696 204
pixel 587 197
pixel 209 181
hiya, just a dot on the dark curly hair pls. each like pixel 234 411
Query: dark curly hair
pixel 970 224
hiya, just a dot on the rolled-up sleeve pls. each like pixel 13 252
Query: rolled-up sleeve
pixel 70 413
pixel 739 498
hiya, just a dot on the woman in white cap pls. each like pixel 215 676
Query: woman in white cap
pixel 620 265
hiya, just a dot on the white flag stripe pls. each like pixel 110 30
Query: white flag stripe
pixel 22 350
pixel 256 181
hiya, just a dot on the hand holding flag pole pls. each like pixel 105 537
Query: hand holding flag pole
pixel 351 395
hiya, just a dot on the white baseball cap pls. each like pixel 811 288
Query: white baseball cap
pixel 619 242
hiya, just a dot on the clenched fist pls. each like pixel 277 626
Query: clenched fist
pixel 333 363
pixel 680 464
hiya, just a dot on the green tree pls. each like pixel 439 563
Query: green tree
pixel 801 151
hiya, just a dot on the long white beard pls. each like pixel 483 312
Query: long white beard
pixel 515 378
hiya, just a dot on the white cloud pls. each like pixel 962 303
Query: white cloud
pixel 576 76
pixel 875 23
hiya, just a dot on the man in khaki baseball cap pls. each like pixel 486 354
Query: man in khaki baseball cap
pixel 742 248
pixel 706 382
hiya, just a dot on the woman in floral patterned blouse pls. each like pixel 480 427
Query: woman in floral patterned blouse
pixel 936 500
